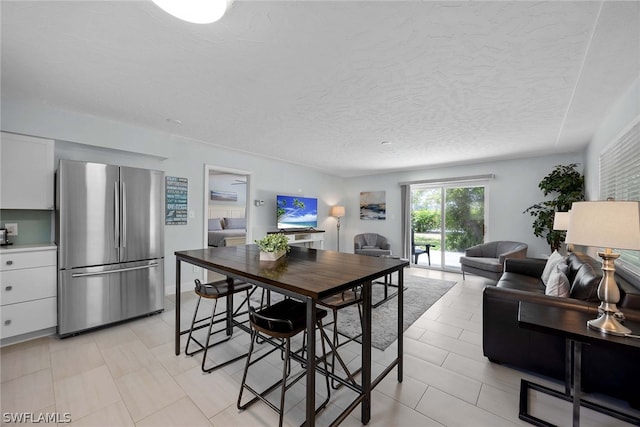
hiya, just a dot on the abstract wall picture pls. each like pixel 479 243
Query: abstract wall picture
pixel 373 205
pixel 224 196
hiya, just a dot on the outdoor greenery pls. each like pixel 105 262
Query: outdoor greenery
pixel 274 242
pixel 425 220
pixel 566 184
pixel 464 217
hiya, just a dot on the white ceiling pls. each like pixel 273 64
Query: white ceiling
pixel 323 83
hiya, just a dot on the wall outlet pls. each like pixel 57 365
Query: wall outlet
pixel 12 228
pixel 196 269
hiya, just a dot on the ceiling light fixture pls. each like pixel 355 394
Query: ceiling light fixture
pixel 195 11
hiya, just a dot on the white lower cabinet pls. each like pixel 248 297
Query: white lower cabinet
pixel 28 291
pixel 29 316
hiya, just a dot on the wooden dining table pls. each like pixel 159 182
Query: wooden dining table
pixel 308 275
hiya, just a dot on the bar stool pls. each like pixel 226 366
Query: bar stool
pixel 282 320
pixel 215 291
pixel 335 303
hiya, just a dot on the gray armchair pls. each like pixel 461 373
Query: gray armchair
pixel 371 244
pixel 487 259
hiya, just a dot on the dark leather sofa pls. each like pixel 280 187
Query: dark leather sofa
pixel 614 373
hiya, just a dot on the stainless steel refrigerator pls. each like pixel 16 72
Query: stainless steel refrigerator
pixel 110 236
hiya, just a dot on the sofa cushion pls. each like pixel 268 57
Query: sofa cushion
pixel 576 260
pixel 235 223
pixel 215 224
pixel 488 264
pixel 521 282
pixel 585 283
pixel 553 260
pixel 558 284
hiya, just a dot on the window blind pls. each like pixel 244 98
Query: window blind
pixel 620 178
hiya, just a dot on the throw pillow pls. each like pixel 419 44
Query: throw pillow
pixel 214 224
pixel 235 223
pixel 563 267
pixel 550 266
pixel 558 284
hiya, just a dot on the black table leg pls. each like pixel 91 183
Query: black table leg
pixel 311 363
pixel 577 369
pixel 366 352
pixel 177 331
pixel 400 322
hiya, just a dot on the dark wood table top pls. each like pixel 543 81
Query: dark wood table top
pixel 309 272
pixel 571 324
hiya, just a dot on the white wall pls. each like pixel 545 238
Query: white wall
pixel 124 144
pixel 514 189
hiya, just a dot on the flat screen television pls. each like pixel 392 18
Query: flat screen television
pixel 296 212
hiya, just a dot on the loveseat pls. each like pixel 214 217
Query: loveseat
pixel 487 259
pixel 615 373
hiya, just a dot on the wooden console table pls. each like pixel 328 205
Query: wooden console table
pixel 572 326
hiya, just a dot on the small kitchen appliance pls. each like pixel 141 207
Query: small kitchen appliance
pixel 4 239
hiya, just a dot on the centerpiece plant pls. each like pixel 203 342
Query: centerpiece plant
pixel 273 246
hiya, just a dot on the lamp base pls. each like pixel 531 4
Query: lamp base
pixel 608 324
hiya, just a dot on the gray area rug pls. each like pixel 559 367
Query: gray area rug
pixel 420 293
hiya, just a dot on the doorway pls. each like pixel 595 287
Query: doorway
pixel 227 214
pixel 448 218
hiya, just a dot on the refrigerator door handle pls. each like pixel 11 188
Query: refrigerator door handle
pixel 116 205
pixel 119 270
pixel 124 215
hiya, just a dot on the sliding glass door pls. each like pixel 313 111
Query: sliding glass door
pixel 448 218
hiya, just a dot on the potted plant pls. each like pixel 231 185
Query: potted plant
pixel 567 184
pixel 273 246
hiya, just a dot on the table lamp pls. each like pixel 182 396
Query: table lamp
pixel 606 224
pixel 561 223
pixel 338 212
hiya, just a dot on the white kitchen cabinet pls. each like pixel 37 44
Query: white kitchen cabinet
pixel 26 172
pixel 28 290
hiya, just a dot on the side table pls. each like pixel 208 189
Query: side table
pixel 572 326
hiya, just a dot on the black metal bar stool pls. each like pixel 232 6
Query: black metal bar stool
pixel 335 303
pixel 215 291
pixel 282 320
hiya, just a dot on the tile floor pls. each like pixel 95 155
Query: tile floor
pixel 127 375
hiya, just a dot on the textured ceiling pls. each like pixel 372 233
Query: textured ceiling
pixel 323 83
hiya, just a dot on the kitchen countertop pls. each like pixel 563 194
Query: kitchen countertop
pixel 27 248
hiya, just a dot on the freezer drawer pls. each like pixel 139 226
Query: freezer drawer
pixel 96 296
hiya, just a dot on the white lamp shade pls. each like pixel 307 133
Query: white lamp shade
pixel 337 211
pixel 561 221
pixel 605 224
pixel 195 11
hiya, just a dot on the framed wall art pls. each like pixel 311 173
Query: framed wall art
pixel 373 205
pixel 176 192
